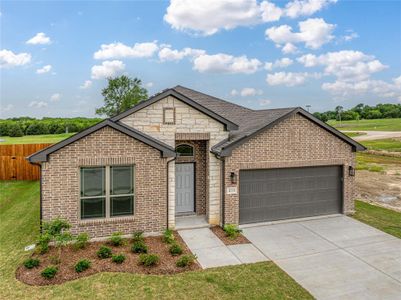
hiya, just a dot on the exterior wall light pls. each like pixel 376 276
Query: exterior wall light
pixel 351 171
pixel 233 178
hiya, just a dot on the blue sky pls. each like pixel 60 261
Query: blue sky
pixel 55 56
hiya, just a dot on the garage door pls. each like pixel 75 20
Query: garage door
pixel 276 194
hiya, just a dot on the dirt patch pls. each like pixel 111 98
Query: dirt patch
pixel 240 239
pixel 381 188
pixel 70 257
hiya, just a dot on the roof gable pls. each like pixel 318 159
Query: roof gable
pixel 172 92
pixel 42 155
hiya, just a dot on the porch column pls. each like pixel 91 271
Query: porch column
pixel 171 195
pixel 214 190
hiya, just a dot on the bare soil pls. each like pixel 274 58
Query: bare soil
pixel 70 257
pixel 240 239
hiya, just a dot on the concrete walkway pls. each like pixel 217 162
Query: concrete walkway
pixel 334 257
pixel 212 252
pixel 375 135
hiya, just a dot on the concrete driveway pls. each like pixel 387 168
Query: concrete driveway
pixel 334 257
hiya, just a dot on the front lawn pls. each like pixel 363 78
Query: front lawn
pixel 384 219
pixel 19 215
pixel 377 124
pixel 392 145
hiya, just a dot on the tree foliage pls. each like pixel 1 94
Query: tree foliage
pixel 120 94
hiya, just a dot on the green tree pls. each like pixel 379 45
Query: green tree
pixel 120 94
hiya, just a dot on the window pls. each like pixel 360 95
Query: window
pixel 107 191
pixel 168 115
pixel 184 150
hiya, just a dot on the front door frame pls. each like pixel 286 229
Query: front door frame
pixel 194 191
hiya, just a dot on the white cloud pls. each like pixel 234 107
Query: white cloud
pixel 55 97
pixel 234 92
pixel 224 63
pixel 6 108
pixel 38 104
pixel 39 39
pixel 119 50
pixel 279 63
pixel 270 12
pixel 346 65
pixel 312 32
pixel 86 85
pixel 264 102
pixel 149 84
pixel 289 48
pixel 43 70
pixel 9 59
pixel 290 78
pixel 107 69
pixel 298 8
pixel 350 36
pixel 209 16
pixel 248 91
pixel 168 54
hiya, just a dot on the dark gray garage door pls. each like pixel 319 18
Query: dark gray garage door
pixel 275 194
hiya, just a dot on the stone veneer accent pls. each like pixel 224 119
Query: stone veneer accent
pixel 187 121
pixel 60 183
pixel 294 142
pixel 199 159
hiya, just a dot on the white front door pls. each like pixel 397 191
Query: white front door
pixel 184 188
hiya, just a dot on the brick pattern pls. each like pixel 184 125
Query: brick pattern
pixel 294 142
pixel 199 159
pixel 60 183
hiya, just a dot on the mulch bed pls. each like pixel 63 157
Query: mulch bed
pixel 69 257
pixel 240 239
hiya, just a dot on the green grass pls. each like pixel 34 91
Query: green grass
pixel 35 139
pixel 19 215
pixel 379 124
pixel 384 219
pixel 366 158
pixel 354 134
pixel 391 145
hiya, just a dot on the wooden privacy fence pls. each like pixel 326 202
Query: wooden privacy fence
pixel 13 163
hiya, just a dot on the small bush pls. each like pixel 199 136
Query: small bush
pixel 139 247
pixel 175 249
pixel 82 265
pixel 232 231
pixel 116 239
pixel 49 272
pixel 149 260
pixel 81 241
pixel 168 236
pixel 185 260
pixel 137 236
pixel 31 263
pixel 55 227
pixel 43 243
pixel 118 258
pixel 104 252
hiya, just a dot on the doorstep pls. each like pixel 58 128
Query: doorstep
pixel 191 222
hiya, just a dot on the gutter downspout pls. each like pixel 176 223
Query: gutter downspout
pixel 168 187
pixel 222 173
pixel 40 198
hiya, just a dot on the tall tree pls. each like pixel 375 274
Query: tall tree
pixel 121 93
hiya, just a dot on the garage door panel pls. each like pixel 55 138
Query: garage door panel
pixel 274 194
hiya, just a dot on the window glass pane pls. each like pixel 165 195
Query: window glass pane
pixel 93 208
pixel 185 150
pixel 121 180
pixel 92 182
pixel 123 205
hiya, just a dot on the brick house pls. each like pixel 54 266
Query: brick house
pixel 184 156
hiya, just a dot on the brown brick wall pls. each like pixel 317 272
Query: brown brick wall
pixel 60 183
pixel 200 172
pixel 294 142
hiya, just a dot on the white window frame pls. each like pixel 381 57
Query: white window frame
pixel 108 194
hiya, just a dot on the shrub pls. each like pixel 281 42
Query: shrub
pixel 104 252
pixel 232 231
pixel 43 243
pixel 31 263
pixel 49 272
pixel 175 249
pixel 168 236
pixel 81 241
pixel 139 247
pixel 148 259
pixel 116 239
pixel 118 258
pixel 82 265
pixel 137 236
pixel 185 260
